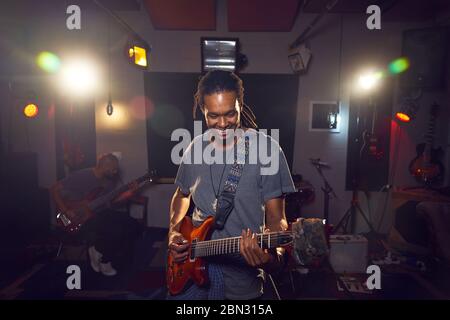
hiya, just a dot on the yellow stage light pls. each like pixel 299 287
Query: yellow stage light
pixel 403 117
pixel 138 55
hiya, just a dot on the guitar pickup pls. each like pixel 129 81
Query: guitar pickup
pixel 192 250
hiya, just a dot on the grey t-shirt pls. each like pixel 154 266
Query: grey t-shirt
pixel 254 189
pixel 80 184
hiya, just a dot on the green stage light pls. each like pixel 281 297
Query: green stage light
pixel 48 62
pixel 399 65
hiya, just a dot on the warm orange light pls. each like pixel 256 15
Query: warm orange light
pixel 31 110
pixel 403 117
pixel 139 55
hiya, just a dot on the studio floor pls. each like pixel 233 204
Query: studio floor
pixel 36 273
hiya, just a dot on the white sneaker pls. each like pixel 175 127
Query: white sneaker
pixel 107 269
pixel 94 257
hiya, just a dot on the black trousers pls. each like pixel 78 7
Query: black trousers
pixel 113 234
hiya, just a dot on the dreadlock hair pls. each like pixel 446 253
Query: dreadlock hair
pixel 216 81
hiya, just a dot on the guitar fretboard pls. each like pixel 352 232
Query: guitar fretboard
pixel 102 200
pixel 232 245
pixel 429 136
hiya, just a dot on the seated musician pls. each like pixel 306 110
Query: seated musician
pixel 110 233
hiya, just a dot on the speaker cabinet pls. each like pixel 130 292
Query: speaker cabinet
pixel 19 171
pixel 426 50
pixel 25 215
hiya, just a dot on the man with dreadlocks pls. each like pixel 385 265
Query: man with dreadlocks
pixel 258 200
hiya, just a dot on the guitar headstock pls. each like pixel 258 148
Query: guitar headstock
pixel 150 177
pixel 310 242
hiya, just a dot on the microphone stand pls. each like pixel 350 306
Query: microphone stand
pixel 327 189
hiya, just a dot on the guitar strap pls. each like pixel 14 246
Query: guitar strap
pixel 225 202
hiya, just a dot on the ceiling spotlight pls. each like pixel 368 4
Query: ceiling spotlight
pixel 369 80
pixel 80 77
pixel 137 52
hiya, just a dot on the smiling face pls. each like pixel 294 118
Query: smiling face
pixel 222 111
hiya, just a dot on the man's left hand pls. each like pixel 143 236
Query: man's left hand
pixel 132 188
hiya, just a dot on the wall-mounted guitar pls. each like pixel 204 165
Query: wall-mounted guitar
pixel 307 236
pixel 82 211
pixel 426 166
pixel 371 147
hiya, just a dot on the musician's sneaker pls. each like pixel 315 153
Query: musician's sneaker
pixel 95 258
pixel 107 269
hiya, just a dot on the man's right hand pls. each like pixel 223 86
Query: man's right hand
pixel 178 247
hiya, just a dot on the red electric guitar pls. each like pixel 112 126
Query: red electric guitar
pixel 84 210
pixel 371 147
pixel 310 241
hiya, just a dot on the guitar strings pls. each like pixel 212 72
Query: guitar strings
pixel 216 250
pixel 265 237
pixel 258 237
pixel 231 245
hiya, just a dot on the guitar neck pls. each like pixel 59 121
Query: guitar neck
pixel 232 245
pixel 429 136
pixel 374 118
pixel 102 200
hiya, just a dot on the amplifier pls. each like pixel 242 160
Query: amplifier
pixel 348 253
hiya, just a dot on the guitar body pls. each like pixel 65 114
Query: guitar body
pixel 426 170
pixel 81 215
pixel 426 166
pixel 371 146
pixel 179 275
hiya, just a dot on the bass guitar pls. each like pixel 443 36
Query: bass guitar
pixel 82 211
